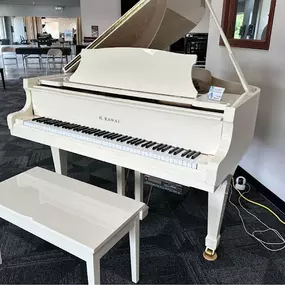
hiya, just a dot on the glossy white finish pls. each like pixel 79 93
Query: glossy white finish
pixel 121 180
pixel 60 160
pixel 77 217
pixel 223 132
pixel 135 251
pixel 216 208
pixel 136 69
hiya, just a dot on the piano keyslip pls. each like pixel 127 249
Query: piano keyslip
pixel 156 150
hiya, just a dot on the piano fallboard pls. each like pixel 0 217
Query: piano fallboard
pixel 193 129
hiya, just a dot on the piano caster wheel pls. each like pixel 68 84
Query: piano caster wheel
pixel 209 255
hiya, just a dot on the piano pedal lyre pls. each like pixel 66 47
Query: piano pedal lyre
pixel 210 255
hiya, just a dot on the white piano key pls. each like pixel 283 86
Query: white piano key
pixel 123 146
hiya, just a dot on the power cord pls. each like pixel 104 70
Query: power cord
pixel 264 243
pixel 258 204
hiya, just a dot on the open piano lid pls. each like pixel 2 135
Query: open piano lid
pixel 127 59
pixel 154 24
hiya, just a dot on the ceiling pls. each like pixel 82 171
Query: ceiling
pixel 65 3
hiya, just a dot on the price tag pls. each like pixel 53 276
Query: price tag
pixel 216 93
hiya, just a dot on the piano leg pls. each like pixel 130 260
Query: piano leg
pixel 139 192
pixel 60 160
pixel 138 186
pixel 121 180
pixel 216 208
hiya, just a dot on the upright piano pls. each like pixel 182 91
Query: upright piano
pixel 128 101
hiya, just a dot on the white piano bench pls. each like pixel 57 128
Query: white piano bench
pixel 79 218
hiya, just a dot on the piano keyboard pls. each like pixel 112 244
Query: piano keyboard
pixel 168 153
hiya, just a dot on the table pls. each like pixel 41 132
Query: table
pixel 2 76
pixel 82 219
pixel 39 51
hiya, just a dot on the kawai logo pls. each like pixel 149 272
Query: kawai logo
pixel 106 119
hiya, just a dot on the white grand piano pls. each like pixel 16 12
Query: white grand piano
pixel 128 101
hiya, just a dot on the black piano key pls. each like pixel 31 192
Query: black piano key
pixel 146 143
pixel 150 145
pixel 190 154
pixel 126 139
pixel 102 134
pixel 131 140
pixel 196 155
pixel 186 152
pixel 48 122
pixel 160 147
pixel 135 141
pixel 178 151
pixel 99 133
pixel 166 148
pixel 44 120
pixel 173 150
pixel 121 138
pixel 139 142
pixel 93 131
pixel 90 131
pixel 112 136
pixel 69 126
pixel 107 135
pixel 78 129
pixel 115 136
pixel 157 146
pixel 84 130
pixel 59 124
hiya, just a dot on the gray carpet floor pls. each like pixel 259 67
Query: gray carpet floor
pixel 172 235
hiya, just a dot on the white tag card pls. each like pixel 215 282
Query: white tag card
pixel 216 93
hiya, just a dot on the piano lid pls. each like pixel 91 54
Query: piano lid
pixel 154 24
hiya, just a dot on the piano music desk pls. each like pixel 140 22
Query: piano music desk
pixel 81 219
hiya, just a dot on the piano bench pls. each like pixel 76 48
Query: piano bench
pixel 79 218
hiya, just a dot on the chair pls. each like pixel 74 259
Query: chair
pixel 9 53
pixel 53 54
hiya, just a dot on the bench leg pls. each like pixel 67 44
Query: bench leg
pixel 93 270
pixel 135 250
pixel 121 180
pixel 60 160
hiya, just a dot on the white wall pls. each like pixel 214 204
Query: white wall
pixel 266 69
pixel 102 13
pixel 38 11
